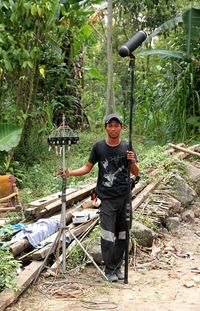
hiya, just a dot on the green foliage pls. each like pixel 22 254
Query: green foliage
pixel 145 220
pixel 8 267
pixel 153 157
pixel 39 50
pixel 10 135
pixel 6 232
pixel 77 256
pixel 191 20
pixel 172 107
pixel 38 180
pixel 14 217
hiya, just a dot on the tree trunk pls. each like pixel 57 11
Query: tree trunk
pixel 110 93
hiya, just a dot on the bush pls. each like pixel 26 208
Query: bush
pixel 8 270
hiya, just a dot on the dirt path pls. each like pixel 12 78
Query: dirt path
pixel 165 282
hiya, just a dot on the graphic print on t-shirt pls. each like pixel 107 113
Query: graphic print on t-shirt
pixel 109 175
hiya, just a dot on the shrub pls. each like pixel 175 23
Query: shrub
pixel 8 270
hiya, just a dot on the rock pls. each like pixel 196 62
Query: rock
pixel 194 175
pixel 96 252
pixel 142 234
pixel 188 216
pixel 196 209
pixel 181 190
pixel 175 206
pixel 172 223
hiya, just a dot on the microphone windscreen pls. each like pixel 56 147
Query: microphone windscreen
pixel 132 44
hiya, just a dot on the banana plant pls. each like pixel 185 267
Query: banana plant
pixel 182 97
pixel 10 135
pixel 190 20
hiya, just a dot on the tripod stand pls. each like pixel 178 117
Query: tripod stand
pixel 62 138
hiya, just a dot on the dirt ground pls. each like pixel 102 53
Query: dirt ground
pixel 165 278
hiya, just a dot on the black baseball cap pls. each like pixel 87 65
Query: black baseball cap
pixel 113 116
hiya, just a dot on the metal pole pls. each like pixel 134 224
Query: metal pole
pixel 129 205
pixel 63 210
pixel 94 263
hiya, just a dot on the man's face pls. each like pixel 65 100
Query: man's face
pixel 113 129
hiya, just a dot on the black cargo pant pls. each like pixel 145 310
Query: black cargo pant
pixel 113 231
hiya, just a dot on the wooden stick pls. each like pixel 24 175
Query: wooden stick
pixel 10 196
pixel 185 150
pixel 7 209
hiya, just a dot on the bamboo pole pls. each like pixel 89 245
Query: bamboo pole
pixel 185 150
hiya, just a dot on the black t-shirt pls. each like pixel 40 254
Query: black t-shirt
pixel 113 169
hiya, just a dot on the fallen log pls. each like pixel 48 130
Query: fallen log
pixel 186 150
pixel 24 279
pixel 171 151
pixel 19 246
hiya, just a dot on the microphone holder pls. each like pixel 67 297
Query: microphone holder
pixel 128 205
pixel 63 136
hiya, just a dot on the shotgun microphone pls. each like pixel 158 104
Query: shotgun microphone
pixel 132 44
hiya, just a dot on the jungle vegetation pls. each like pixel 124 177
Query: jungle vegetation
pixel 54 62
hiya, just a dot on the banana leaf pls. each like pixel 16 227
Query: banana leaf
pixel 170 24
pixel 10 135
pixel 191 23
pixel 166 53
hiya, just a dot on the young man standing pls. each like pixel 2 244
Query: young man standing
pixel 112 189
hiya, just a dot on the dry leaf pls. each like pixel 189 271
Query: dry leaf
pixel 155 249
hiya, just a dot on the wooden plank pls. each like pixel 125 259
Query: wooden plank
pixel 71 199
pixel 138 188
pixel 9 209
pixel 41 203
pixel 24 279
pixel 7 198
pixel 144 194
